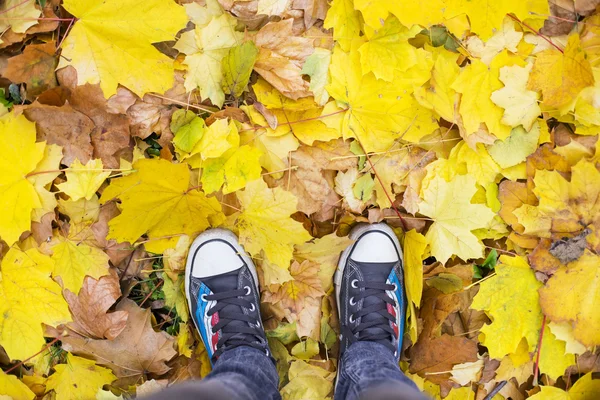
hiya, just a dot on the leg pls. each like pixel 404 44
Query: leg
pixel 242 373
pixel 370 371
pixel 372 308
pixel 224 301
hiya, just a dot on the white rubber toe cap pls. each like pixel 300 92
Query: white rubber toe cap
pixel 375 247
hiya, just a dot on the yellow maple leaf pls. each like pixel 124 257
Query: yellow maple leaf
pixel 414 247
pixel 561 76
pixel 520 105
pixel 377 112
pixel 205 47
pixel 79 378
pixel 112 38
pixel 46 171
pixel 586 388
pixel 74 260
pixel 156 199
pixel 82 210
pixel 388 50
pixel 554 360
pixel 12 387
pixel 571 295
pixel 18 15
pixel 511 300
pixel 17 189
pixel 439 95
pixel 449 205
pixel 29 298
pixel 233 170
pixel 265 223
pixel 564 331
pixel 486 16
pixel 218 138
pixel 564 206
pixel 302 118
pixel 84 180
pixel 345 21
pixel 477 82
pixel 408 12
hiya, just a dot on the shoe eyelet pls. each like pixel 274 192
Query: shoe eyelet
pixel 352 301
pixel 351 319
pixel 252 308
pixel 396 353
pixel 248 290
pixel 354 283
pixel 203 298
pixel 395 287
pixel 258 323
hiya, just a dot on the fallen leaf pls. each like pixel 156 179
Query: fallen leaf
pixel 84 180
pixel 35 67
pixel 79 378
pixel 441 355
pixel 90 308
pixel 19 15
pixel 13 389
pixel 449 204
pixel 127 39
pixel 265 223
pixel 138 350
pixel 30 298
pixel 65 127
pixel 570 72
pixel 281 57
pixel 571 296
pixel 511 300
pixel 139 192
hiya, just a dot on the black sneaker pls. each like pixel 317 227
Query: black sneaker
pixel 370 289
pixel 222 292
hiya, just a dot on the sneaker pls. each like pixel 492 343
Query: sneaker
pixel 222 291
pixel 370 289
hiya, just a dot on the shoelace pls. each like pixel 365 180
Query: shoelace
pixel 246 335
pixel 383 333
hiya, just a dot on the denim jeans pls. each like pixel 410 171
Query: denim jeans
pixel 367 371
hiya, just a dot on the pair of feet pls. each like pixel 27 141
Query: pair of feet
pixel 224 299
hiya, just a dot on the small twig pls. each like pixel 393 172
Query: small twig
pixel 257 127
pixel 13 7
pixel 207 109
pixel 152 291
pixel 539 351
pixel 536 32
pixel 495 391
pixel 46 347
pixel 479 281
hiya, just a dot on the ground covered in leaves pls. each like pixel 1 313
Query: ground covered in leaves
pixel 130 126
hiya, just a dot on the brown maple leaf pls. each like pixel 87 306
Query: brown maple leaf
pixel 35 67
pixel 89 308
pixel 292 294
pixel 136 352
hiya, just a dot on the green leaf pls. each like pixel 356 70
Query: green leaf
pixel 285 333
pixel 363 187
pixel 356 149
pixel 317 67
pixel 479 271
pixel 188 135
pixel 237 66
pixel 445 283
pixel 306 350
